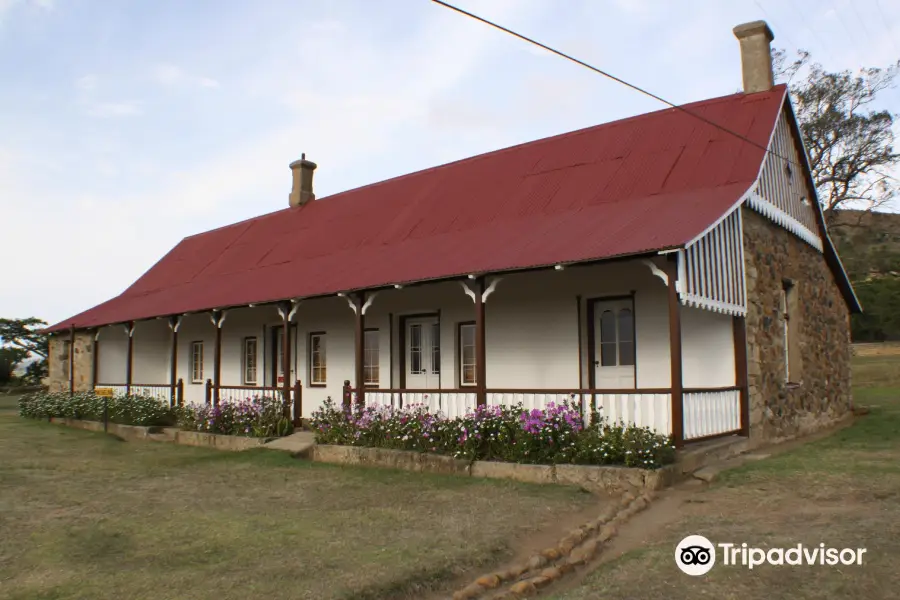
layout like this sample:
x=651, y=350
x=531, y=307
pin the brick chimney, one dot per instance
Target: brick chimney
x=756, y=55
x=302, y=188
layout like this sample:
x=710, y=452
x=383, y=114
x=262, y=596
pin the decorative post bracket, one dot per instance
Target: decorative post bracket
x=484, y=295
x=657, y=271
x=220, y=320
x=175, y=323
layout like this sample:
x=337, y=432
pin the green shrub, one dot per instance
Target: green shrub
x=555, y=435
x=124, y=410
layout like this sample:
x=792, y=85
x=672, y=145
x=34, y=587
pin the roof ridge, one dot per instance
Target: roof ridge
x=554, y=137
x=498, y=151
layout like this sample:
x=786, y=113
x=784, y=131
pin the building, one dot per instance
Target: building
x=672, y=269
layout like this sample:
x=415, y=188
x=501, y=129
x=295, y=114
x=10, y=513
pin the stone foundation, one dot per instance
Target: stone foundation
x=594, y=479
x=820, y=343
x=58, y=362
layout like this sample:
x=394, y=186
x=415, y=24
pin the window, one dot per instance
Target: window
x=415, y=349
x=196, y=362
x=792, y=363
x=317, y=362
x=626, y=337
x=436, y=348
x=370, y=357
x=608, y=339
x=249, y=358
x=467, y=354
x=617, y=338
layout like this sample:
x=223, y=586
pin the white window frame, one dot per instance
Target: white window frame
x=250, y=361
x=786, y=321
x=462, y=354
x=196, y=365
x=318, y=374
x=371, y=357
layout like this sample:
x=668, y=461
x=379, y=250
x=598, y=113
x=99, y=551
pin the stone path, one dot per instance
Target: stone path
x=298, y=443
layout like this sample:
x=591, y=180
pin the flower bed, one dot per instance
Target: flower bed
x=254, y=416
x=555, y=435
x=88, y=406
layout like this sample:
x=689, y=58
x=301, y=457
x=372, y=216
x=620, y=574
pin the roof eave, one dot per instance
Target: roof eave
x=68, y=324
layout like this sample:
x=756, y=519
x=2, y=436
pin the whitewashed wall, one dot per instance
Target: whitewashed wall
x=113, y=352
x=153, y=338
x=531, y=339
x=707, y=348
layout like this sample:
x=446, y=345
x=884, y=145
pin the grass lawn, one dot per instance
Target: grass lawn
x=83, y=515
x=843, y=490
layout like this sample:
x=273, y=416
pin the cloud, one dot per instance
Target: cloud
x=87, y=87
x=172, y=75
x=87, y=83
x=7, y=6
x=106, y=110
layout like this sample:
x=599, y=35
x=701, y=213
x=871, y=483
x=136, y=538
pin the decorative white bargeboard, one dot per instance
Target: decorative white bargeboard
x=782, y=193
x=711, y=269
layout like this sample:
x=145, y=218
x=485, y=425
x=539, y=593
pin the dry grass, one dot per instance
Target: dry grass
x=843, y=490
x=83, y=515
x=877, y=349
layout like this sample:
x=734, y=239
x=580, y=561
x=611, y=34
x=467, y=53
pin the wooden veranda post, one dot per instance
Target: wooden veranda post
x=174, y=324
x=72, y=361
x=95, y=356
x=298, y=403
x=359, y=302
x=480, y=365
x=217, y=319
x=740, y=371
x=675, y=352
x=209, y=386
x=179, y=393
x=345, y=399
x=286, y=360
x=129, y=364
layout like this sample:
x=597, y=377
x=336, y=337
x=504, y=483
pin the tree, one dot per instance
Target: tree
x=24, y=334
x=9, y=360
x=22, y=338
x=850, y=143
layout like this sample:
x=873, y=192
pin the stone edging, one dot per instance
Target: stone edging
x=578, y=547
x=169, y=434
x=595, y=479
x=123, y=431
x=219, y=441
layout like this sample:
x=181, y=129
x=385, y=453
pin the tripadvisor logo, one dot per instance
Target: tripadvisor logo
x=696, y=555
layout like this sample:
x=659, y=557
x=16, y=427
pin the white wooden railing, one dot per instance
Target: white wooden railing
x=161, y=392
x=451, y=404
x=653, y=410
x=650, y=408
x=711, y=412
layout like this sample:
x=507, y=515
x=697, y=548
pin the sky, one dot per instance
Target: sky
x=127, y=126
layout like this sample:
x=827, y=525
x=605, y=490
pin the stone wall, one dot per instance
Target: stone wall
x=58, y=362
x=820, y=339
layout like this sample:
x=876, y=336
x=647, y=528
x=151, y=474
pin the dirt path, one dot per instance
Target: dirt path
x=842, y=490
x=529, y=545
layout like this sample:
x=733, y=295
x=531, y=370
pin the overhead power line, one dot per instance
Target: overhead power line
x=805, y=21
x=884, y=21
x=614, y=78
x=781, y=32
x=850, y=36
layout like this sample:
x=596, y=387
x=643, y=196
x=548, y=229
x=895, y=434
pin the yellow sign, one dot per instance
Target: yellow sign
x=107, y=392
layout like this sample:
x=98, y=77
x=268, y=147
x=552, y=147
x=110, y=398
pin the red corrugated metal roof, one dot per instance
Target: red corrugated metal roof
x=641, y=184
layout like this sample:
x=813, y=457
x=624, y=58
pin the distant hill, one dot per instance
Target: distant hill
x=869, y=247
